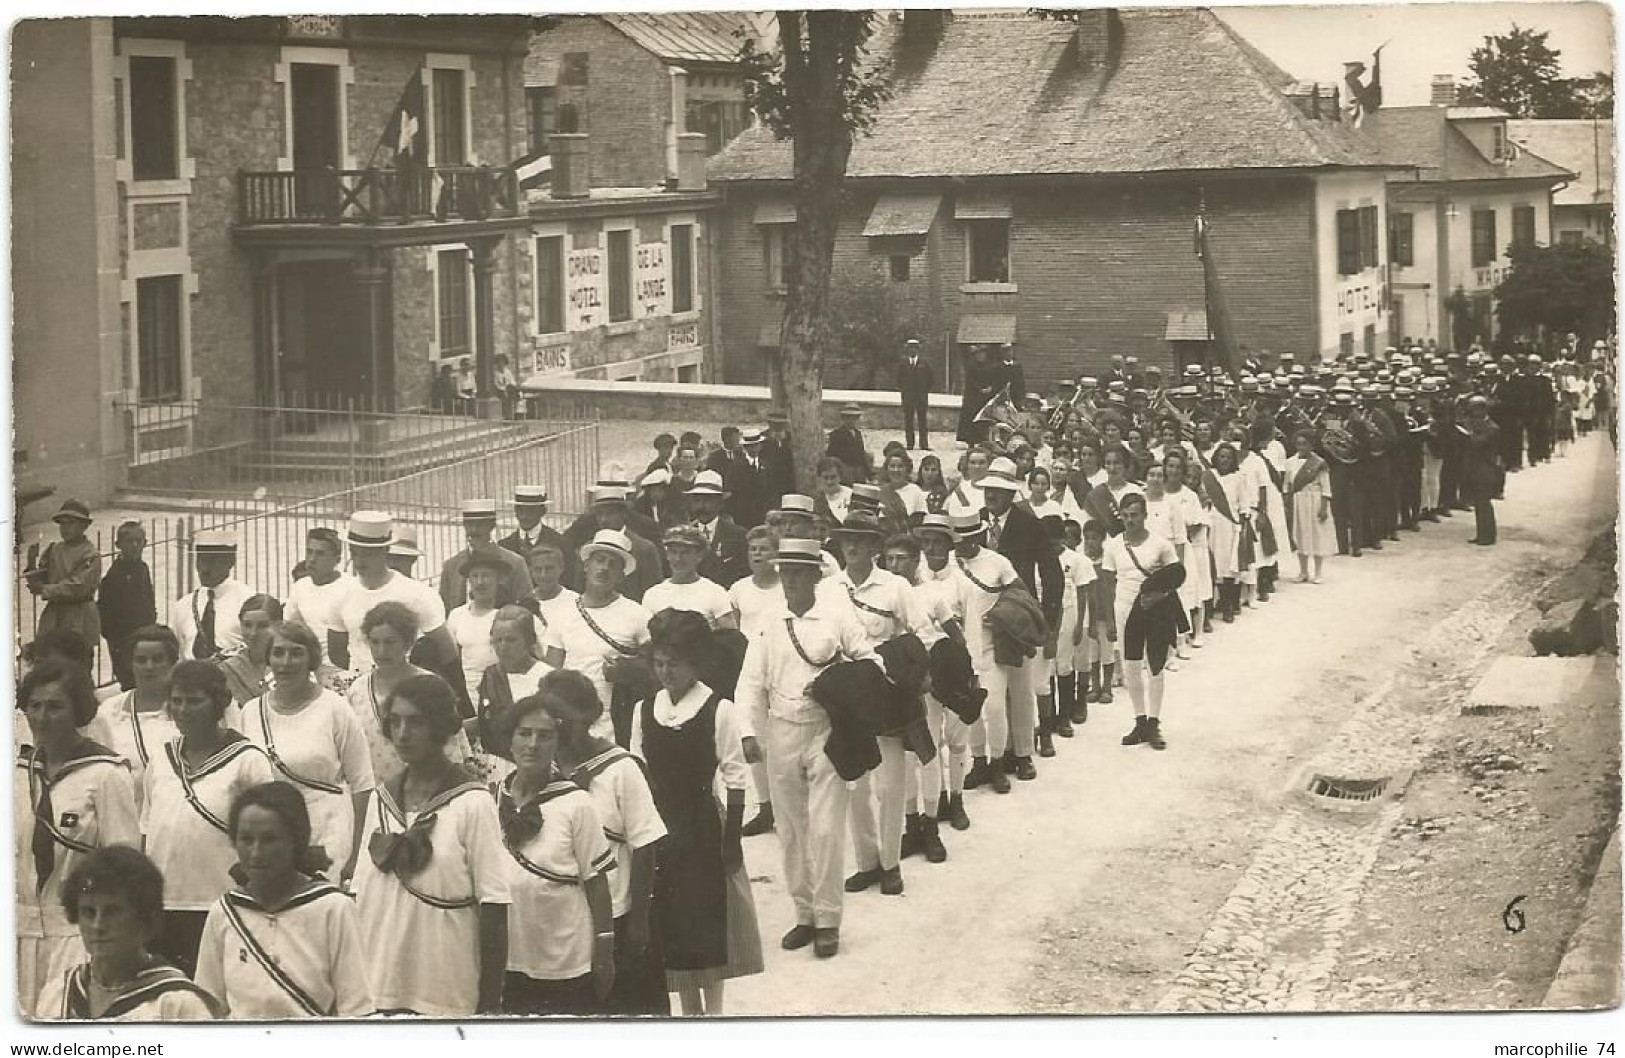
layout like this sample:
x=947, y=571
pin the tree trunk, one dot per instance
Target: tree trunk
x=822, y=141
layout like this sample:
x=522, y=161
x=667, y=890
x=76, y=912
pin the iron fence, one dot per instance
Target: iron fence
x=419, y=468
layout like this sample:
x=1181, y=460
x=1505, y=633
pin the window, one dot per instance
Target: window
x=1345, y=344
x=1401, y=239
x=550, y=284
x=455, y=331
x=1498, y=140
x=154, y=118
x=1523, y=225
x=1348, y=241
x=620, y=275
x=987, y=256
x=158, y=310
x=1370, y=337
x=450, y=129
x=719, y=119
x=682, y=267
x=776, y=254
x=900, y=266
x=541, y=118
x=1370, y=251
x=688, y=373
x=1484, y=248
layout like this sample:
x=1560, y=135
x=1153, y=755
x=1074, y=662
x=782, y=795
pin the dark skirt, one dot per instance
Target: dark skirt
x=640, y=981
x=529, y=996
x=691, y=892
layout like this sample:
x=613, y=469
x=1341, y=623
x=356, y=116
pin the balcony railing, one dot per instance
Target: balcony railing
x=377, y=196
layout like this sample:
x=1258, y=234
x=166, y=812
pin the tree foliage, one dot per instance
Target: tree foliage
x=1561, y=288
x=1520, y=73
x=870, y=319
x=819, y=89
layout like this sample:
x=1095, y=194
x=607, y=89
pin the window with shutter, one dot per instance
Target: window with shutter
x=1484, y=247
x=1523, y=225
x=1348, y=242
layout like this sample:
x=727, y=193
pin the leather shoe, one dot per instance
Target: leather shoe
x=1046, y=748
x=1063, y=727
x=891, y=882
x=998, y=781
x=956, y=813
x=857, y=883
x=799, y=937
x=977, y=774
x=760, y=823
x=826, y=942
x=1025, y=770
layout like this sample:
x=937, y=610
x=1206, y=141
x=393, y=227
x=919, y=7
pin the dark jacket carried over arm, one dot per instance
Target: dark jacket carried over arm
x=1018, y=625
x=1028, y=548
x=862, y=704
x=953, y=680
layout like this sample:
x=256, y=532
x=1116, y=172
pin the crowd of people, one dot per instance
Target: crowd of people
x=523, y=788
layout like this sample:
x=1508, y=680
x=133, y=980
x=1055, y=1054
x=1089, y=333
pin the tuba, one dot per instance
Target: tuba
x=1339, y=443
x=998, y=415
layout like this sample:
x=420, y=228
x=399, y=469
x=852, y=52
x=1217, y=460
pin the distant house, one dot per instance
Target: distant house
x=1037, y=183
x=625, y=108
x=1584, y=207
x=1471, y=193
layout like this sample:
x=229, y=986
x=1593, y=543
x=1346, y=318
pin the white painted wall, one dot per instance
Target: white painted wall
x=1348, y=304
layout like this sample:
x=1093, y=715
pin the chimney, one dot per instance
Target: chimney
x=691, y=161
x=1099, y=36
x=1444, y=90
x=572, y=164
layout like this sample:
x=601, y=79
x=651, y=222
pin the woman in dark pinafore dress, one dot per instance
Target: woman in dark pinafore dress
x=689, y=737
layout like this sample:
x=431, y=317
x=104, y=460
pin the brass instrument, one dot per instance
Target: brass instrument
x=997, y=414
x=1339, y=443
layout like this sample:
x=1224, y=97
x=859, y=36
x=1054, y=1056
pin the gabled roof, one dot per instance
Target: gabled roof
x=1006, y=94
x=1580, y=144
x=1424, y=137
x=684, y=36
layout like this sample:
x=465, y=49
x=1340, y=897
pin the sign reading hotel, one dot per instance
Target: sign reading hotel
x=1360, y=297
x=584, y=281
x=649, y=285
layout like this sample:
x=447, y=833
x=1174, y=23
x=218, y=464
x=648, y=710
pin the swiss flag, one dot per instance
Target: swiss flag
x=403, y=136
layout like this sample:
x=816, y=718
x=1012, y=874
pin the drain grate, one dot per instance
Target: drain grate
x=1355, y=790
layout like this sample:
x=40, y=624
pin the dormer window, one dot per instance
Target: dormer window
x=1498, y=134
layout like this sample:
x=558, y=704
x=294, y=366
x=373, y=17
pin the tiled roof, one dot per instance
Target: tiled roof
x=1007, y=95
x=1424, y=137
x=684, y=36
x=1583, y=145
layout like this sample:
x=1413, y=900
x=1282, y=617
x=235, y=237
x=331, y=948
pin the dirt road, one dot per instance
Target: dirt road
x=1084, y=891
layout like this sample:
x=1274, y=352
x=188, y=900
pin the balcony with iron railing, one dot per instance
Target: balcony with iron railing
x=378, y=197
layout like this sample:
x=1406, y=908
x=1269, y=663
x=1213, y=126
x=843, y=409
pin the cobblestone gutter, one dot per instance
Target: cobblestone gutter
x=1275, y=941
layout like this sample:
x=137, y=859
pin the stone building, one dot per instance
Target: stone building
x=1037, y=182
x=227, y=212
x=1469, y=195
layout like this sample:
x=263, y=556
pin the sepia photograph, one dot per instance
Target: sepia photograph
x=808, y=514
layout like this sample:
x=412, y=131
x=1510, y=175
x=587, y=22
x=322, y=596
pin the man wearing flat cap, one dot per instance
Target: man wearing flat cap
x=67, y=576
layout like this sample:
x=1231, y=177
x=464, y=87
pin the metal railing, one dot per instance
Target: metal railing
x=213, y=487
x=377, y=196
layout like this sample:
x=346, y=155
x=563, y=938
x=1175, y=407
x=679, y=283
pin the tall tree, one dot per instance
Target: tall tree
x=818, y=90
x=1560, y=288
x=1519, y=73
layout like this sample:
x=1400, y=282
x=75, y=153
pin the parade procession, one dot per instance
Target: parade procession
x=458, y=582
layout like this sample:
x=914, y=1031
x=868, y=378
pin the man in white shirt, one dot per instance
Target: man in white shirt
x=312, y=599
x=547, y=562
x=369, y=537
x=205, y=620
x=980, y=575
x=809, y=797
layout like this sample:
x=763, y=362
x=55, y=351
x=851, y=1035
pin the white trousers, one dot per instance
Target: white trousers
x=883, y=789
x=809, y=813
x=952, y=737
x=1010, y=708
x=1431, y=466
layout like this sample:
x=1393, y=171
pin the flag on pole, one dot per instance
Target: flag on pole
x=1220, y=329
x=404, y=138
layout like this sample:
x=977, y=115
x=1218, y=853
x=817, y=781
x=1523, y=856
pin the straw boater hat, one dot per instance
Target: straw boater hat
x=530, y=496
x=849, y=409
x=966, y=523
x=935, y=523
x=685, y=536
x=866, y=496
x=72, y=511
x=405, y=547
x=481, y=510
x=797, y=552
x=612, y=542
x=370, y=529
x=859, y=523
x=706, y=483
x=796, y=505
x=753, y=437
x=605, y=492
x=657, y=476
x=1001, y=474
x=214, y=542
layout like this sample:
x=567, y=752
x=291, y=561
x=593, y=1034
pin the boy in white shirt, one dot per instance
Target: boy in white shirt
x=980, y=575
x=685, y=589
x=757, y=600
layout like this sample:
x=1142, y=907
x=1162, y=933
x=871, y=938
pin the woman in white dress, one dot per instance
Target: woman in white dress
x=138, y=720
x=1262, y=460
x=284, y=942
x=115, y=896
x=1234, y=558
x=515, y=675
x=314, y=742
x=1309, y=484
x=190, y=789
x=899, y=471
x=248, y=669
x=70, y=796
x=1039, y=495
x=432, y=889
x=1182, y=481
x=1142, y=572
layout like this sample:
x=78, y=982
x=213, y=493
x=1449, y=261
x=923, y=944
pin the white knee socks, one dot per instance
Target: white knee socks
x=1134, y=680
x=1157, y=684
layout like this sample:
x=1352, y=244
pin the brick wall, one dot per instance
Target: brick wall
x=624, y=105
x=1096, y=271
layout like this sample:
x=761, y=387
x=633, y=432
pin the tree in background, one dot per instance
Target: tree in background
x=869, y=320
x=1560, y=288
x=1518, y=72
x=818, y=90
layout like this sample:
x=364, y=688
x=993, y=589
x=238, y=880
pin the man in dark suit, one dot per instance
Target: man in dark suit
x=479, y=526
x=778, y=466
x=745, y=482
x=657, y=503
x=726, y=555
x=979, y=389
x=1017, y=534
x=915, y=381
x=1007, y=372
x=529, y=507
x=610, y=510
x=846, y=447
